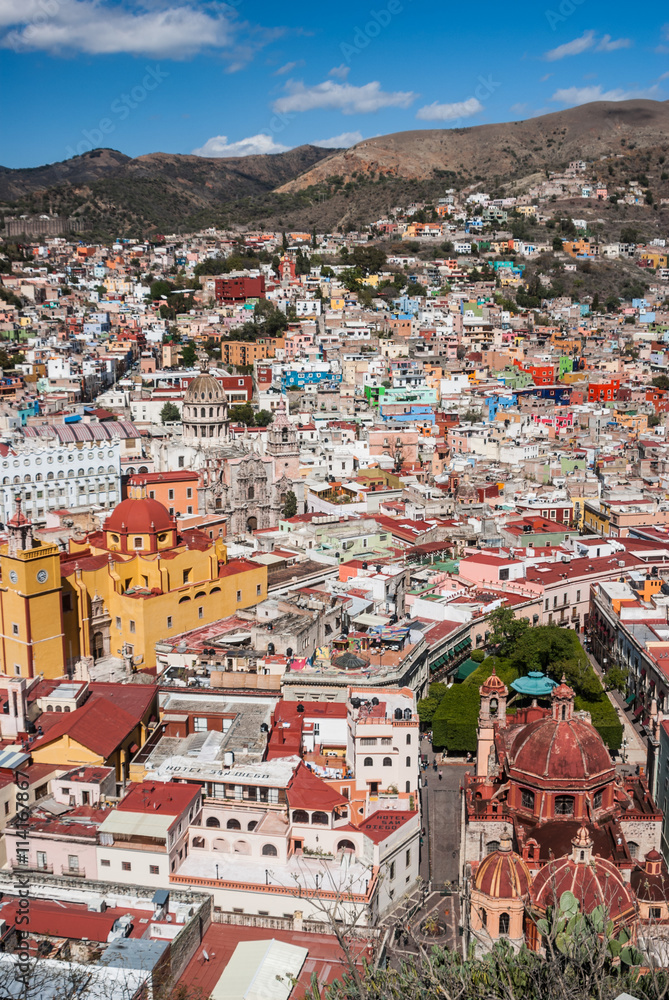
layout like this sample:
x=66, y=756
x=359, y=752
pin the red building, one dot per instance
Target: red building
x=601, y=392
x=239, y=289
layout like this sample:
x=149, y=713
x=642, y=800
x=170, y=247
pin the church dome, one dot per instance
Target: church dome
x=204, y=389
x=560, y=749
x=503, y=874
x=593, y=883
x=141, y=516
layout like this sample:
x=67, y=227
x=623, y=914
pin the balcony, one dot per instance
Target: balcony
x=75, y=872
x=31, y=866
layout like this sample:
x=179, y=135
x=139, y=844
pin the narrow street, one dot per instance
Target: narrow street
x=635, y=744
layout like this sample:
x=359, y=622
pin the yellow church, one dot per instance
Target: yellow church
x=117, y=592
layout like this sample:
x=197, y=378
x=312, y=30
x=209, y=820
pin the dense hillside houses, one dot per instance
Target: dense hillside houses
x=298, y=532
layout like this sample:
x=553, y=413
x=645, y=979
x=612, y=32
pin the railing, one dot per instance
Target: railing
x=31, y=866
x=76, y=872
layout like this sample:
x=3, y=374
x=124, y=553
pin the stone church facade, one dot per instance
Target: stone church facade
x=246, y=480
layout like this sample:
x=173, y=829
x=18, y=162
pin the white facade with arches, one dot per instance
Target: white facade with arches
x=56, y=476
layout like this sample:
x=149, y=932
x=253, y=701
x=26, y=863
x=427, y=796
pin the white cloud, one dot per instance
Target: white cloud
x=341, y=141
x=573, y=48
x=449, y=112
x=341, y=72
x=572, y=96
x=288, y=68
x=101, y=29
x=342, y=97
x=608, y=44
x=254, y=145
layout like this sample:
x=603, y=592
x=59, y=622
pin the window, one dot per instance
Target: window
x=527, y=799
x=233, y=824
x=73, y=862
x=408, y=739
x=181, y=461
x=504, y=917
x=655, y=912
x=300, y=816
x=200, y=724
x=170, y=494
x=258, y=589
x=200, y=612
x=118, y=623
x=564, y=805
x=105, y=863
x=368, y=741
x=41, y=859
x=407, y=857
x=392, y=870
x=547, y=603
x=126, y=866
x=239, y=596
x=633, y=849
x=212, y=821
x=189, y=493
x=387, y=762
x=169, y=621
x=132, y=625
x=269, y=851
x=597, y=800
x=408, y=762
x=578, y=596
x=319, y=818
x=186, y=576
x=15, y=629
x=138, y=542
x=564, y=598
x=492, y=846
x=154, y=869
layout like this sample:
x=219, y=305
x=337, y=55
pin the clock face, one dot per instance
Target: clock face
x=14, y=576
x=42, y=576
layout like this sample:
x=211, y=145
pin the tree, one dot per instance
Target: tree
x=242, y=413
x=615, y=678
x=289, y=505
x=368, y=259
x=505, y=629
x=263, y=418
x=169, y=413
x=660, y=382
x=188, y=355
x=160, y=288
x=428, y=706
x=10, y=360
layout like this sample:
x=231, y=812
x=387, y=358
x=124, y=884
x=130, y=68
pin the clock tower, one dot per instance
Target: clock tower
x=31, y=620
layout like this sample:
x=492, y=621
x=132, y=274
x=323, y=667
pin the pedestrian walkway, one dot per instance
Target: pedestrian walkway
x=634, y=750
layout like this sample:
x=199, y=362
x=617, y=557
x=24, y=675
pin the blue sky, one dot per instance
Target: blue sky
x=224, y=79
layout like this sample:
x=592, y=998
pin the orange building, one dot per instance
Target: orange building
x=175, y=490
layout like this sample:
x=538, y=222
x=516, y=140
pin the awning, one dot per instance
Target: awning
x=630, y=698
x=466, y=668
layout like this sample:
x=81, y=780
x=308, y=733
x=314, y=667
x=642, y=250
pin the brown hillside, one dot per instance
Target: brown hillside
x=586, y=132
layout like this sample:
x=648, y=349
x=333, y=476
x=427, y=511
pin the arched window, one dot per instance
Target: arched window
x=494, y=707
x=212, y=821
x=252, y=825
x=527, y=799
x=300, y=816
x=564, y=805
x=504, y=923
x=211, y=411
x=203, y=412
x=345, y=845
x=633, y=849
x=233, y=824
x=251, y=493
x=320, y=818
x=492, y=846
x=387, y=762
x=367, y=762
x=269, y=851
x=198, y=842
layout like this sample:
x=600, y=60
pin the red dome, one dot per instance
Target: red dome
x=493, y=684
x=594, y=883
x=503, y=875
x=141, y=517
x=564, y=749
